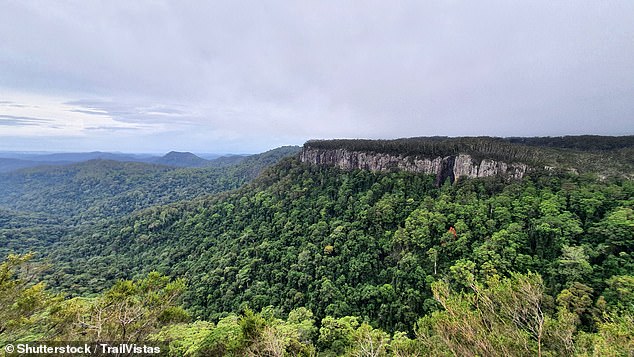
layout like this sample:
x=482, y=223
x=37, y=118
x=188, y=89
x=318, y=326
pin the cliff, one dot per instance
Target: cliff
x=443, y=167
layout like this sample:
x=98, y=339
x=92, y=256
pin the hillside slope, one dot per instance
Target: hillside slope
x=361, y=243
x=102, y=190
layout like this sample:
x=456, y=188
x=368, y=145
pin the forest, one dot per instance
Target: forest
x=313, y=260
x=40, y=205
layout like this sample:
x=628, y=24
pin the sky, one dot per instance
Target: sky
x=247, y=76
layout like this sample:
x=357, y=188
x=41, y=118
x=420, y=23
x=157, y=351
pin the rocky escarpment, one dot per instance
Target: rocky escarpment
x=448, y=167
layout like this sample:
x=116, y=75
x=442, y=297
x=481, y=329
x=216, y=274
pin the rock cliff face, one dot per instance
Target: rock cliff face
x=449, y=167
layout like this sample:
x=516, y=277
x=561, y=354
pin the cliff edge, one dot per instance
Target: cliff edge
x=448, y=167
x=451, y=158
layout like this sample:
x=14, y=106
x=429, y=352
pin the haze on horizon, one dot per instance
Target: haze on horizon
x=244, y=77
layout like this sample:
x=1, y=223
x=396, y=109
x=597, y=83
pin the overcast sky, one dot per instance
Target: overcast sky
x=247, y=76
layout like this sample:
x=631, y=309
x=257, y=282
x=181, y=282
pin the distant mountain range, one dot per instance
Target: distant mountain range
x=11, y=161
x=101, y=188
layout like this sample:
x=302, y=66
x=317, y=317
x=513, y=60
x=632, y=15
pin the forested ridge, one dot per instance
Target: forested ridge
x=39, y=205
x=604, y=155
x=315, y=260
x=105, y=188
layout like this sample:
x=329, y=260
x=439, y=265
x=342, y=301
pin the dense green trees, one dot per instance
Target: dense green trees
x=310, y=259
x=361, y=243
x=505, y=316
x=128, y=312
x=24, y=302
x=100, y=189
x=40, y=205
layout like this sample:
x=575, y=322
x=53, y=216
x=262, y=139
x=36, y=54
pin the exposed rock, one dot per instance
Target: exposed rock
x=449, y=167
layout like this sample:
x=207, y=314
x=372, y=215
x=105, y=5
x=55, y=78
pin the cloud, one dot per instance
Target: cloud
x=46, y=117
x=130, y=112
x=89, y=111
x=255, y=74
x=110, y=128
x=10, y=104
x=12, y=120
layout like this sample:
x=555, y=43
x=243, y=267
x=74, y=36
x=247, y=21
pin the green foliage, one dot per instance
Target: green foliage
x=359, y=243
x=615, y=337
x=24, y=303
x=578, y=299
x=40, y=205
x=353, y=263
x=100, y=189
x=261, y=334
x=23, y=232
x=225, y=339
x=574, y=264
x=129, y=311
x=510, y=317
x=619, y=294
x=336, y=335
x=184, y=339
x=504, y=316
x=580, y=142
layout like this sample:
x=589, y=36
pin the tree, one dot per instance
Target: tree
x=369, y=342
x=615, y=337
x=336, y=335
x=184, y=339
x=577, y=299
x=619, y=295
x=24, y=304
x=502, y=317
x=574, y=264
x=130, y=311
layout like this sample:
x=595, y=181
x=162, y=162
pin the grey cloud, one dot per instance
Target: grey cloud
x=12, y=120
x=91, y=112
x=297, y=70
x=159, y=110
x=110, y=128
x=11, y=104
x=129, y=112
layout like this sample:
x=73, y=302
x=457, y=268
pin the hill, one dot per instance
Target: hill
x=106, y=188
x=182, y=159
x=12, y=161
x=98, y=190
x=9, y=164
